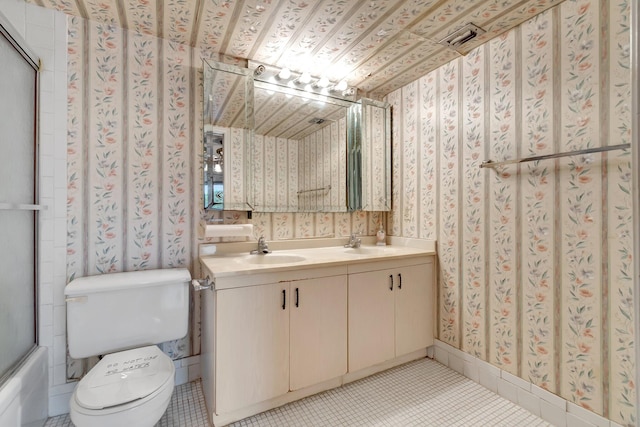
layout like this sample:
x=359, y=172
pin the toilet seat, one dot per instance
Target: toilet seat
x=132, y=387
x=123, y=377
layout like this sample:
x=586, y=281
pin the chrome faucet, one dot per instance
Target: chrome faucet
x=263, y=247
x=354, y=241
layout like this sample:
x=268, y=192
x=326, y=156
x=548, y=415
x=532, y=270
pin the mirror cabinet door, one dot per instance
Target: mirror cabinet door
x=376, y=155
x=369, y=156
x=228, y=92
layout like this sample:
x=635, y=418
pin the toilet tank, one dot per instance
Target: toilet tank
x=113, y=312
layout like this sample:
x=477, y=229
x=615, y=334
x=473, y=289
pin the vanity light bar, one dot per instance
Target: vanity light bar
x=302, y=81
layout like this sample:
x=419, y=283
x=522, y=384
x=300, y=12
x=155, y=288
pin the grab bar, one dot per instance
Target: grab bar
x=492, y=164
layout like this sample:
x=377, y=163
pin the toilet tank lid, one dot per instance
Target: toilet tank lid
x=132, y=279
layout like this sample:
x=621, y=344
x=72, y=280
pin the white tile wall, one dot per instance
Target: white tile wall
x=45, y=33
x=548, y=406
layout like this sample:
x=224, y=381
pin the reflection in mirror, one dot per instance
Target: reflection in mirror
x=213, y=163
x=299, y=151
x=227, y=119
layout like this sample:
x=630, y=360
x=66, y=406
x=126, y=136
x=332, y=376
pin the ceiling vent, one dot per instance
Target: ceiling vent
x=461, y=36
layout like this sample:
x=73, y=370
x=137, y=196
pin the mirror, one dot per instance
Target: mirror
x=227, y=117
x=291, y=150
x=299, y=151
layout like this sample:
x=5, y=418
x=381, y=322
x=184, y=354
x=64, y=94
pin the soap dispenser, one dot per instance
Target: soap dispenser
x=381, y=236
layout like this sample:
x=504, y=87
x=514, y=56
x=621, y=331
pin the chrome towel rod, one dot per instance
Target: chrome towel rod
x=492, y=164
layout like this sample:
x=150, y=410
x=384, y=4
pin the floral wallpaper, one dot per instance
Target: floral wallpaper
x=534, y=259
x=474, y=299
x=537, y=200
x=129, y=148
x=582, y=224
x=449, y=229
x=503, y=283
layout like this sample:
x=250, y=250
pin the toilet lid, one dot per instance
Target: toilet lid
x=124, y=377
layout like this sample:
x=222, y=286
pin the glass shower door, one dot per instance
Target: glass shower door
x=18, y=202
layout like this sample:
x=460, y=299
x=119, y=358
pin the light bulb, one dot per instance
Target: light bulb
x=284, y=74
x=305, y=78
x=323, y=82
x=342, y=85
x=217, y=167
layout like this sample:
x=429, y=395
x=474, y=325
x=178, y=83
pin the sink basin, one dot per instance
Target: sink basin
x=273, y=259
x=368, y=250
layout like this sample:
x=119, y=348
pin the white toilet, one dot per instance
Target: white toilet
x=122, y=316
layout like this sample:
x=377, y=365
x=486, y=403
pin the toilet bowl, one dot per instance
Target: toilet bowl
x=128, y=388
x=122, y=316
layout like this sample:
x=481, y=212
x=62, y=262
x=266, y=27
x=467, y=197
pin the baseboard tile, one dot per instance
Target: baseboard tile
x=540, y=402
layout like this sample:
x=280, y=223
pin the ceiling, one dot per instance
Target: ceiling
x=376, y=45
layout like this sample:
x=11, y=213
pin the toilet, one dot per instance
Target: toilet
x=121, y=316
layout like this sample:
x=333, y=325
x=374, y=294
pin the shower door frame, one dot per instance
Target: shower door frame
x=11, y=35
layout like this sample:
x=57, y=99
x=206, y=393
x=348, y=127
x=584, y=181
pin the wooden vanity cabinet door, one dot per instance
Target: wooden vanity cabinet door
x=252, y=345
x=371, y=319
x=318, y=328
x=414, y=312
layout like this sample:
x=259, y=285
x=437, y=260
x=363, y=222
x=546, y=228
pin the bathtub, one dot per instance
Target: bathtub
x=24, y=396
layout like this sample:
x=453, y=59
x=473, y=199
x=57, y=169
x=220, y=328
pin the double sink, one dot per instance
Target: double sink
x=233, y=261
x=289, y=258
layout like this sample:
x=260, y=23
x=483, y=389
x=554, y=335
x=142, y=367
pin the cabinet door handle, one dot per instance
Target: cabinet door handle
x=284, y=299
x=297, y=297
x=391, y=277
x=400, y=278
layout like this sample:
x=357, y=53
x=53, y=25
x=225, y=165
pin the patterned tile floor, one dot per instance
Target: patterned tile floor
x=420, y=393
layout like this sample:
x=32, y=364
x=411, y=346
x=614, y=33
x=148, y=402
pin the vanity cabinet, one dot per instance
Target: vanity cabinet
x=278, y=337
x=252, y=345
x=390, y=313
x=272, y=335
x=318, y=331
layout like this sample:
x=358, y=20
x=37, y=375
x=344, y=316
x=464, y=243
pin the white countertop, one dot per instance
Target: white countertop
x=233, y=261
